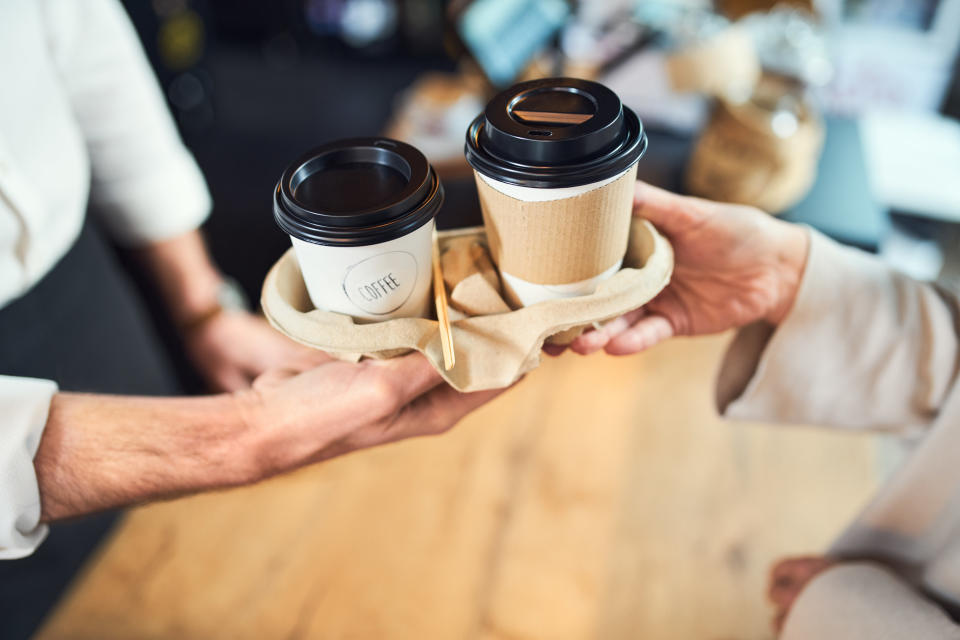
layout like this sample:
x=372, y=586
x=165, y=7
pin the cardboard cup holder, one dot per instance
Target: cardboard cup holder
x=494, y=345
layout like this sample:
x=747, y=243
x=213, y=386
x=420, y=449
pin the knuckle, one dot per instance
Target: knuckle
x=432, y=421
x=384, y=393
x=445, y=418
x=438, y=426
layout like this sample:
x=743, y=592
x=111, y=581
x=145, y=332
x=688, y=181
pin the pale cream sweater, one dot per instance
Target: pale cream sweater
x=865, y=348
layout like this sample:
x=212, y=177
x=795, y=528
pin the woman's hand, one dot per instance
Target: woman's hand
x=734, y=265
x=232, y=348
x=229, y=348
x=788, y=578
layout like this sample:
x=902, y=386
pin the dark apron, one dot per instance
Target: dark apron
x=84, y=327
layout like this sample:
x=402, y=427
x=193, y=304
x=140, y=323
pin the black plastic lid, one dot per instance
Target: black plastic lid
x=355, y=192
x=555, y=132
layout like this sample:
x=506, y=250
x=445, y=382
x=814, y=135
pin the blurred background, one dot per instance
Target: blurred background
x=838, y=113
x=602, y=498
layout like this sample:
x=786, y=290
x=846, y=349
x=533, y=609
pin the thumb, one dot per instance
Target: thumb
x=274, y=377
x=438, y=410
x=410, y=376
x=668, y=212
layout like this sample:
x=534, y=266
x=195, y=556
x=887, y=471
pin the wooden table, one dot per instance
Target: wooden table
x=602, y=498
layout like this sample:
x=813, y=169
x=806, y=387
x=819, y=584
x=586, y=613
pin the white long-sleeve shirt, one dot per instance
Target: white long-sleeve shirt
x=81, y=116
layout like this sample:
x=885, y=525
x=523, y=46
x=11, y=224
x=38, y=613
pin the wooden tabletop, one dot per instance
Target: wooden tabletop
x=601, y=498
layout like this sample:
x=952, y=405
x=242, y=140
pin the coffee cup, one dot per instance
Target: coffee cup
x=555, y=163
x=360, y=214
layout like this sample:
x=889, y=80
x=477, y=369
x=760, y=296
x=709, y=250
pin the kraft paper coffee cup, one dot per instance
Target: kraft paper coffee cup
x=360, y=215
x=555, y=162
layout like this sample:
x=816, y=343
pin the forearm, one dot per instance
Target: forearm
x=185, y=274
x=99, y=452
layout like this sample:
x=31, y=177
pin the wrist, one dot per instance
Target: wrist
x=210, y=452
x=195, y=297
x=229, y=297
x=185, y=274
x=265, y=442
x=247, y=408
x=791, y=260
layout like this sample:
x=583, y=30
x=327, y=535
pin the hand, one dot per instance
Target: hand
x=734, y=265
x=788, y=579
x=234, y=347
x=299, y=416
x=100, y=452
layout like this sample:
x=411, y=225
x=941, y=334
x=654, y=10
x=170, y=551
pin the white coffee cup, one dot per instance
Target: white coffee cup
x=360, y=215
x=374, y=282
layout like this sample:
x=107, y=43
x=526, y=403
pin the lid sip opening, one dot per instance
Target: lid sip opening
x=557, y=106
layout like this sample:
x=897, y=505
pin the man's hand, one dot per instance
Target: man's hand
x=734, y=265
x=788, y=578
x=232, y=348
x=100, y=452
x=300, y=416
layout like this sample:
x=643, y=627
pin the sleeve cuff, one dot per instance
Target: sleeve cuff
x=851, y=353
x=162, y=203
x=24, y=406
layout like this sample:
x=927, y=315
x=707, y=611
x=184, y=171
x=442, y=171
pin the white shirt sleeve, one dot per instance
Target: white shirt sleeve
x=145, y=183
x=24, y=405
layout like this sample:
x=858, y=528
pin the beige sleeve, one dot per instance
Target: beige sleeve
x=863, y=601
x=863, y=347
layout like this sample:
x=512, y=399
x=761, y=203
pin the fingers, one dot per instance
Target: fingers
x=437, y=411
x=406, y=377
x=630, y=333
x=779, y=619
x=554, y=349
x=227, y=378
x=790, y=575
x=669, y=212
x=593, y=341
x=274, y=349
x=301, y=360
x=273, y=377
x=788, y=578
x=782, y=585
x=431, y=414
x=648, y=331
x=305, y=358
x=800, y=565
